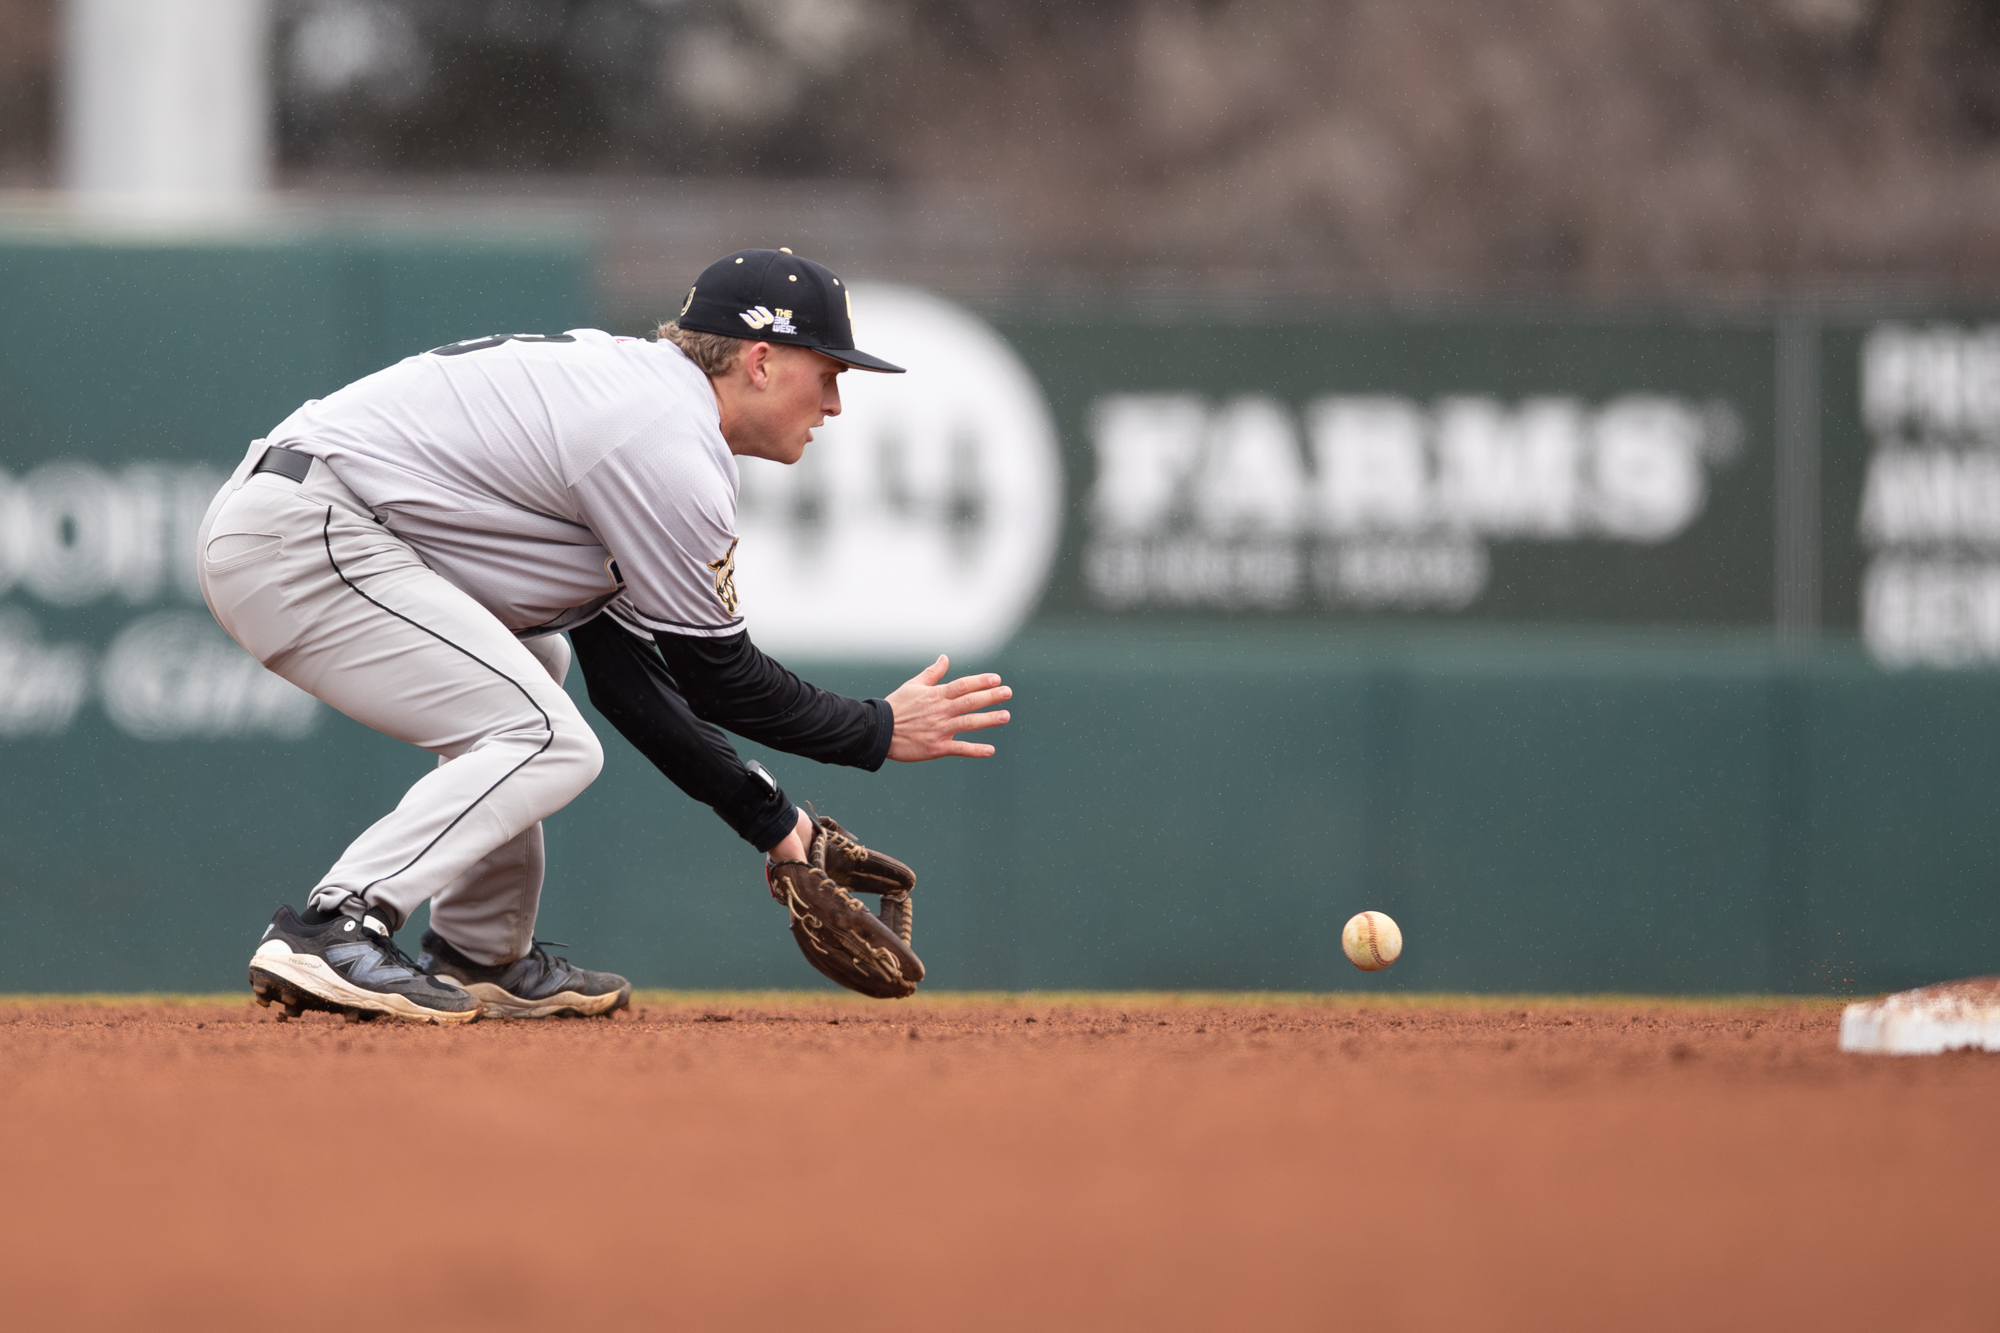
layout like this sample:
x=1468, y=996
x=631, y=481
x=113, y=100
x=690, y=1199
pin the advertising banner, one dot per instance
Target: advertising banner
x=1498, y=470
x=1471, y=468
x=1308, y=611
x=1911, y=499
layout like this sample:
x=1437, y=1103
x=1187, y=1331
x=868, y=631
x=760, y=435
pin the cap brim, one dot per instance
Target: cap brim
x=861, y=360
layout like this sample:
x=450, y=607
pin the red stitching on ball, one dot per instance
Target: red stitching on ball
x=1374, y=943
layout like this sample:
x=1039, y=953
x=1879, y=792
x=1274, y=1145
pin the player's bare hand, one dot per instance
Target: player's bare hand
x=930, y=715
x=793, y=848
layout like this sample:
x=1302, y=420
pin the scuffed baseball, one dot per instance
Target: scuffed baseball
x=1371, y=941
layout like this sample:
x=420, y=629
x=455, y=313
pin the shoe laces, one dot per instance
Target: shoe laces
x=394, y=951
x=383, y=940
x=550, y=962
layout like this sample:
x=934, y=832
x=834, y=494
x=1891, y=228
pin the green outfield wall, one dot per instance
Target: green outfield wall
x=1643, y=651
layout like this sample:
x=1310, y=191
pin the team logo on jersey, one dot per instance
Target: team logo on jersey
x=725, y=578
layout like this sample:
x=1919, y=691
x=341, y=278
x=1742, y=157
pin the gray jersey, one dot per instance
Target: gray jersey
x=546, y=476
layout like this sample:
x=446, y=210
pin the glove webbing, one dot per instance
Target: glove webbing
x=897, y=913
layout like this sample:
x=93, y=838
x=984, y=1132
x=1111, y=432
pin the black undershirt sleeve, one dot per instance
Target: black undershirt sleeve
x=674, y=714
x=729, y=682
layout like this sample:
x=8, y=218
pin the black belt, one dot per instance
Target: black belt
x=285, y=462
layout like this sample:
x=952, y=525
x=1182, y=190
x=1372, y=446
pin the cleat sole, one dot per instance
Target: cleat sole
x=302, y=981
x=563, y=1004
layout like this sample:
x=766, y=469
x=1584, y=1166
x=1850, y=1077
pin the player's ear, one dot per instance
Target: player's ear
x=757, y=364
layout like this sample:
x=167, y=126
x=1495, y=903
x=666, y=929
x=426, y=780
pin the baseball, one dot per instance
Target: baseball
x=1371, y=941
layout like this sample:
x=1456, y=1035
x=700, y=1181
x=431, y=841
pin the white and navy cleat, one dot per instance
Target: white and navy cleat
x=540, y=985
x=347, y=962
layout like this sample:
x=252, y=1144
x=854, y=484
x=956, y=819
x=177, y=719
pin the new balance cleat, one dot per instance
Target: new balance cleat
x=538, y=986
x=347, y=963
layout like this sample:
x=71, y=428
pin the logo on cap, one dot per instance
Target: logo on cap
x=763, y=317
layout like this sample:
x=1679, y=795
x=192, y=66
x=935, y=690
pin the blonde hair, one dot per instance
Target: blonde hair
x=715, y=353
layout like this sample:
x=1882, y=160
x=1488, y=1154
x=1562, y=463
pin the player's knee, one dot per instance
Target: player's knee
x=575, y=747
x=593, y=755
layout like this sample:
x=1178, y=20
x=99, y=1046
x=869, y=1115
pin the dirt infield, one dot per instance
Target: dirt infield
x=1130, y=1163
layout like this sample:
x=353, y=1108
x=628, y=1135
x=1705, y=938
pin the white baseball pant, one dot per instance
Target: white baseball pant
x=301, y=574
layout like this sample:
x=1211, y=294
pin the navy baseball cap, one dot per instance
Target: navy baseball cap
x=775, y=296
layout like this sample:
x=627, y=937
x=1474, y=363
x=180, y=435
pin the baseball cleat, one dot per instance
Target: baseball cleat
x=537, y=986
x=347, y=963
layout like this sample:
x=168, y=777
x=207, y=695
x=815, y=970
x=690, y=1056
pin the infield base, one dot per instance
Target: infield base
x=1954, y=1016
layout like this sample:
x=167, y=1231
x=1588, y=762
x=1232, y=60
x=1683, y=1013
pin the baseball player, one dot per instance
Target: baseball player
x=426, y=548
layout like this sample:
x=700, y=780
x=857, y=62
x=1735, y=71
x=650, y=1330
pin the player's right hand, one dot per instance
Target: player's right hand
x=930, y=715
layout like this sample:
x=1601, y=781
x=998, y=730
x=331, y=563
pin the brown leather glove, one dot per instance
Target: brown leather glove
x=859, y=870
x=837, y=934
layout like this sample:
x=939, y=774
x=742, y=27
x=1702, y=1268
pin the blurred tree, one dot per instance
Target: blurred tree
x=1600, y=145
x=27, y=35
x=1391, y=144
x=676, y=86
